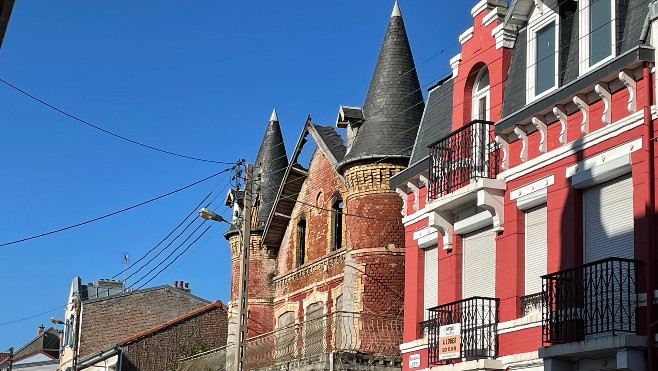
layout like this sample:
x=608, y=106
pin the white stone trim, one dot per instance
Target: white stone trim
x=603, y=166
x=415, y=217
x=523, y=137
x=603, y=91
x=426, y=237
x=541, y=126
x=523, y=323
x=494, y=14
x=561, y=113
x=403, y=196
x=473, y=223
x=416, y=191
x=523, y=361
x=505, y=36
x=629, y=122
x=466, y=35
x=286, y=307
x=315, y=297
x=454, y=64
x=504, y=146
x=443, y=224
x=480, y=6
x=413, y=346
x=534, y=186
x=626, y=77
x=580, y=100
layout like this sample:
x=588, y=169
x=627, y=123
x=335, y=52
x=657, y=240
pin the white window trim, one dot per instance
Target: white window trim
x=476, y=96
x=583, y=35
x=541, y=21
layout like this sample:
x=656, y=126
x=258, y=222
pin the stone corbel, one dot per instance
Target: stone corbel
x=603, y=91
x=494, y=203
x=403, y=196
x=540, y=124
x=424, y=182
x=443, y=223
x=581, y=102
x=416, y=192
x=524, y=141
x=561, y=115
x=504, y=146
x=629, y=82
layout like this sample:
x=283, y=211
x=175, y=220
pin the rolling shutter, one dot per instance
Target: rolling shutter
x=608, y=220
x=479, y=263
x=536, y=241
x=431, y=286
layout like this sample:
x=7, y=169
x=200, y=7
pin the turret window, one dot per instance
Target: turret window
x=337, y=224
x=301, y=241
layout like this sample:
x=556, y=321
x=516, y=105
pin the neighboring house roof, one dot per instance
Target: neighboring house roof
x=394, y=104
x=36, y=356
x=330, y=141
x=212, y=306
x=46, y=342
x=155, y=288
x=436, y=124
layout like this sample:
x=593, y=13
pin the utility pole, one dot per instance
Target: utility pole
x=11, y=358
x=244, y=269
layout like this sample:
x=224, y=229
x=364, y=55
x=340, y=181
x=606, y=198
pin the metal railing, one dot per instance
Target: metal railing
x=477, y=317
x=212, y=360
x=595, y=298
x=425, y=327
x=469, y=153
x=358, y=333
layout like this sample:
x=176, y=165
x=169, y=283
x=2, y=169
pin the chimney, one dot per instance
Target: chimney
x=40, y=330
x=175, y=283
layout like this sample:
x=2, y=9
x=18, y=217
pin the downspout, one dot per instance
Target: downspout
x=650, y=202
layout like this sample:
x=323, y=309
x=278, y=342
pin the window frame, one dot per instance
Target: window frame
x=537, y=24
x=478, y=94
x=337, y=223
x=584, y=32
x=301, y=241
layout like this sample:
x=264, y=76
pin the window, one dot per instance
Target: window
x=536, y=245
x=337, y=224
x=431, y=279
x=301, y=242
x=480, y=100
x=597, y=36
x=286, y=337
x=314, y=329
x=545, y=75
x=543, y=55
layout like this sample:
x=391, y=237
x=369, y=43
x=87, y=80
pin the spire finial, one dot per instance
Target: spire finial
x=396, y=10
x=274, y=117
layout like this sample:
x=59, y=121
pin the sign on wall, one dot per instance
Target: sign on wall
x=414, y=360
x=450, y=341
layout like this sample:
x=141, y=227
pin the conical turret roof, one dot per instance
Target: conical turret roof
x=394, y=104
x=269, y=168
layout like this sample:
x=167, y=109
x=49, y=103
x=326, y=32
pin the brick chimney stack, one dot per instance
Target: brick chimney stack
x=40, y=330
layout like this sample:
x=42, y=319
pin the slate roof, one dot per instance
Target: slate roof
x=394, y=103
x=332, y=140
x=630, y=21
x=269, y=168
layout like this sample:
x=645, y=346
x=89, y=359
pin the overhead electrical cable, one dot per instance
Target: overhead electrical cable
x=113, y=213
x=118, y=136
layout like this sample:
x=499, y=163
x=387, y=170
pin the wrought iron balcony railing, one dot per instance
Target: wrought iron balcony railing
x=469, y=153
x=531, y=303
x=595, y=298
x=356, y=333
x=477, y=318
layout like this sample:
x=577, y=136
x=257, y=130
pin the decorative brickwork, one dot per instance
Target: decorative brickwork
x=362, y=180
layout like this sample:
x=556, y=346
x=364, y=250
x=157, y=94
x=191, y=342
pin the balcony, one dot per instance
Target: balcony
x=475, y=335
x=355, y=339
x=467, y=154
x=597, y=298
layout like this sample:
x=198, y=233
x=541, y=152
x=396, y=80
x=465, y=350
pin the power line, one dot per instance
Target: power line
x=113, y=213
x=118, y=136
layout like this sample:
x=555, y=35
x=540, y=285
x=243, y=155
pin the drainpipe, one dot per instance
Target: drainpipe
x=650, y=203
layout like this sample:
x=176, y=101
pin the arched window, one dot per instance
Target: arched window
x=301, y=241
x=337, y=224
x=480, y=104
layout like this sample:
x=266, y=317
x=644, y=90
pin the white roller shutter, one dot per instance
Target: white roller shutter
x=479, y=263
x=608, y=220
x=431, y=286
x=536, y=244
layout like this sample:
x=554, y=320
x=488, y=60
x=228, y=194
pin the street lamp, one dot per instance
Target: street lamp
x=56, y=321
x=211, y=215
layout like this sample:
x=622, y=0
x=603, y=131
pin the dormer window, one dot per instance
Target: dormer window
x=542, y=73
x=597, y=36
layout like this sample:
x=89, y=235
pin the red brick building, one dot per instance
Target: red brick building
x=161, y=347
x=326, y=276
x=530, y=196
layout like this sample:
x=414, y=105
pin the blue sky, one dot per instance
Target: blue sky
x=195, y=77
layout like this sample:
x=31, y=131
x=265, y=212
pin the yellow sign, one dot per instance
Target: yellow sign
x=450, y=341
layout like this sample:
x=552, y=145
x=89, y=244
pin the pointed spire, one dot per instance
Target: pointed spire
x=270, y=167
x=394, y=104
x=396, y=10
x=274, y=116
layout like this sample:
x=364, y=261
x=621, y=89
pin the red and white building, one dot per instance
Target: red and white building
x=530, y=194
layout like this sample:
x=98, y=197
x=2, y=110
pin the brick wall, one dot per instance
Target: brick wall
x=106, y=322
x=161, y=350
